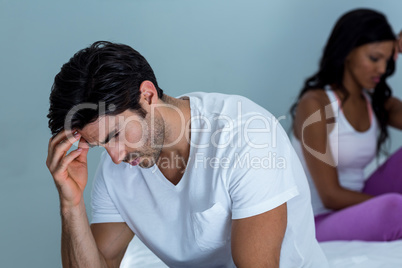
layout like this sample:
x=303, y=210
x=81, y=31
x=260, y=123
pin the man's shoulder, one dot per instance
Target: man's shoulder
x=218, y=104
x=215, y=96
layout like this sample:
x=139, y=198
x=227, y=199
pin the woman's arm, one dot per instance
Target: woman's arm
x=394, y=105
x=394, y=108
x=318, y=157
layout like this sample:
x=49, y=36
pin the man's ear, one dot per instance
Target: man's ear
x=148, y=92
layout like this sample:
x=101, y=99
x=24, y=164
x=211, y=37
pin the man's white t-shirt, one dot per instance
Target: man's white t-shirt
x=241, y=164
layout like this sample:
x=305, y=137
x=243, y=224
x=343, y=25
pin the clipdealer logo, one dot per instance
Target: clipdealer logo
x=330, y=156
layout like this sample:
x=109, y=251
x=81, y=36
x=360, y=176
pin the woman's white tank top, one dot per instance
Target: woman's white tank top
x=351, y=150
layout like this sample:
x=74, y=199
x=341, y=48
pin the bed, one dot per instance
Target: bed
x=359, y=254
x=341, y=254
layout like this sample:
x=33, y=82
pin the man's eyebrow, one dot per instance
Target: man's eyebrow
x=111, y=135
x=90, y=145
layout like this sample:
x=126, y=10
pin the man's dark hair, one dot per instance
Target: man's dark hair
x=106, y=73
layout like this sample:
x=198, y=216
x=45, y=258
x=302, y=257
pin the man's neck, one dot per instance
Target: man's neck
x=174, y=156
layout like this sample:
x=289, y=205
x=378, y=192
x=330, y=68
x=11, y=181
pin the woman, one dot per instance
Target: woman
x=340, y=124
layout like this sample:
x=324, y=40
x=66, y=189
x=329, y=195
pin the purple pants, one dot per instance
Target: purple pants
x=377, y=219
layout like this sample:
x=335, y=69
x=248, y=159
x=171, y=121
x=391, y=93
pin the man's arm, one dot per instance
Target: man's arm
x=80, y=247
x=112, y=240
x=99, y=245
x=257, y=240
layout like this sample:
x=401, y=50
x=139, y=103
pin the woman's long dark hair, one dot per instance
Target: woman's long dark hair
x=355, y=28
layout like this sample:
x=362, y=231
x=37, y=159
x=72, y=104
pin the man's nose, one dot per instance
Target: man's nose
x=116, y=152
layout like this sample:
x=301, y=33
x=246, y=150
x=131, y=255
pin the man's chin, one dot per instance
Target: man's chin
x=147, y=163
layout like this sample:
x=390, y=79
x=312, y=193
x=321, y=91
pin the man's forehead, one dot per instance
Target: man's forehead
x=98, y=130
x=95, y=131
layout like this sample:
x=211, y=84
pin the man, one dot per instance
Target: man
x=204, y=180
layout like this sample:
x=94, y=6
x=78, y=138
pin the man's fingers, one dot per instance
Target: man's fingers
x=58, y=138
x=54, y=141
x=61, y=137
x=85, y=148
x=60, y=150
x=83, y=156
x=83, y=144
x=67, y=160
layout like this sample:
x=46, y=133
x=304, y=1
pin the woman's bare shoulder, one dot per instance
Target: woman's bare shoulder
x=310, y=103
x=315, y=98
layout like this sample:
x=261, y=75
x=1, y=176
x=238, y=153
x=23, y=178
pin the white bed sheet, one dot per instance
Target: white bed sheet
x=341, y=254
x=359, y=254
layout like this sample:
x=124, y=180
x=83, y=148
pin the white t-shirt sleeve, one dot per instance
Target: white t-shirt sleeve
x=103, y=207
x=262, y=178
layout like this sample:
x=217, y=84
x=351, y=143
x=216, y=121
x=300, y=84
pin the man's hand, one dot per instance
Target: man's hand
x=69, y=171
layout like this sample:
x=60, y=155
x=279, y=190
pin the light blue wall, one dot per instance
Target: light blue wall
x=260, y=49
